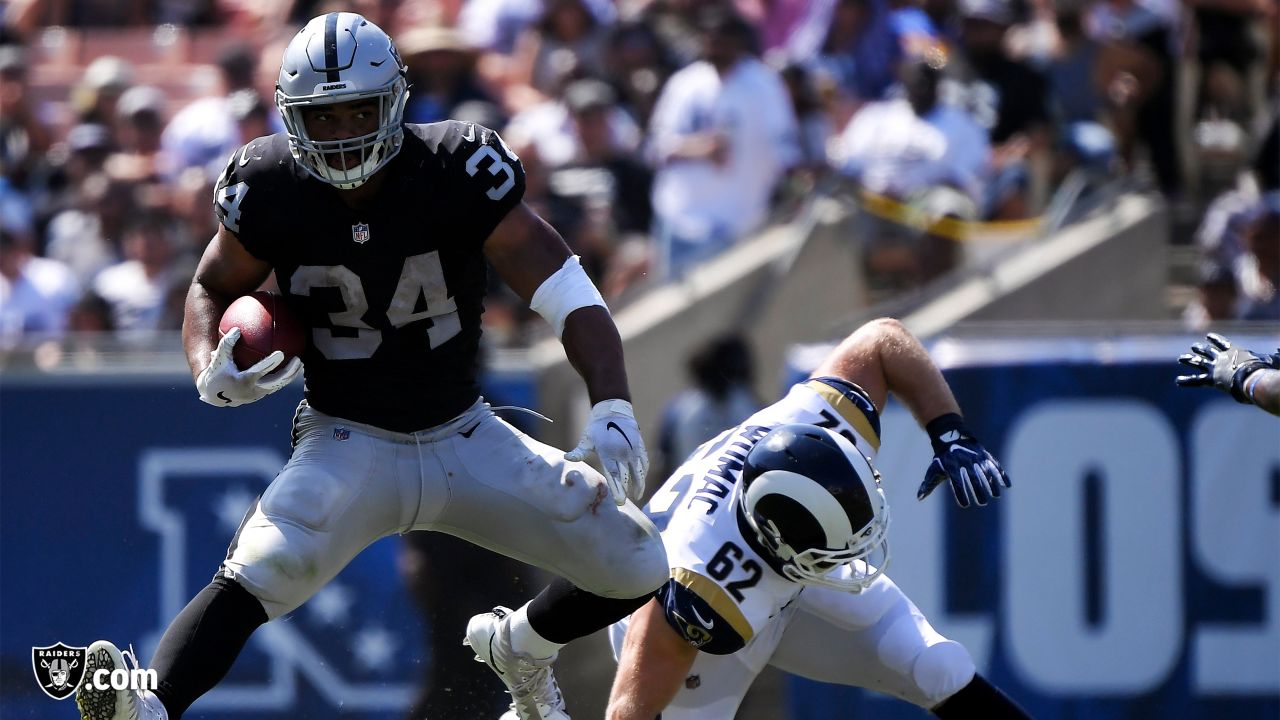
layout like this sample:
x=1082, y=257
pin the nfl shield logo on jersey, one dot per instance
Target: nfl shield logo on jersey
x=360, y=233
x=58, y=668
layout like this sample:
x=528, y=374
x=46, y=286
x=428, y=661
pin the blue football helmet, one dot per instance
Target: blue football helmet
x=815, y=503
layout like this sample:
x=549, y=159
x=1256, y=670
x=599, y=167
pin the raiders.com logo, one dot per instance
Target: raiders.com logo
x=58, y=668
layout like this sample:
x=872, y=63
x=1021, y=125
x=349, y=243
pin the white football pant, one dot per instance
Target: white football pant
x=476, y=477
x=875, y=639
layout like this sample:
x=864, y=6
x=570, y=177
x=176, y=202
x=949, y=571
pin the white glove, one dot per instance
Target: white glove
x=613, y=436
x=224, y=385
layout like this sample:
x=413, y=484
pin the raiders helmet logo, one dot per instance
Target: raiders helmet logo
x=59, y=669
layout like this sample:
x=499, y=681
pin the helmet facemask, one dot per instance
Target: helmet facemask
x=865, y=557
x=342, y=58
x=815, y=504
x=375, y=149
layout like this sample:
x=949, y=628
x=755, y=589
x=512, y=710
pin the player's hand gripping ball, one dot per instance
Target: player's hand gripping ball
x=266, y=324
x=258, y=352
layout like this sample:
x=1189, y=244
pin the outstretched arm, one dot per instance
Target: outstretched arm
x=882, y=357
x=1244, y=375
x=654, y=661
x=1264, y=389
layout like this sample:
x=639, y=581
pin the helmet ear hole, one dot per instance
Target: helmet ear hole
x=815, y=503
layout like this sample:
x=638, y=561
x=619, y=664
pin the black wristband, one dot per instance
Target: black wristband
x=941, y=425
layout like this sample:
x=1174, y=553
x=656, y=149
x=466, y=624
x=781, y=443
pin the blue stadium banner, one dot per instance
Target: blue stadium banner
x=118, y=496
x=1133, y=570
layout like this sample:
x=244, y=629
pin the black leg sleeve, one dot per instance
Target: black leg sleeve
x=563, y=612
x=203, y=641
x=980, y=699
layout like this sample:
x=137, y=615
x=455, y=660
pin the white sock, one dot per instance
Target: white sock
x=154, y=701
x=525, y=640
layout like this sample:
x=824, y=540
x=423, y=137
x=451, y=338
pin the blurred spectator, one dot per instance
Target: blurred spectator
x=906, y=147
x=36, y=293
x=1217, y=298
x=1260, y=269
x=552, y=128
x=604, y=188
x=722, y=135
x=925, y=154
x=677, y=27
x=90, y=314
x=188, y=200
x=253, y=117
x=1227, y=50
x=944, y=14
x=843, y=40
x=1094, y=81
x=566, y=36
x=859, y=43
x=207, y=130
x=94, y=96
x=442, y=73
x=722, y=372
x=88, y=147
x=494, y=27
x=80, y=156
x=23, y=137
x=637, y=65
x=138, y=287
x=775, y=19
x=1007, y=97
x=812, y=118
x=1221, y=237
x=1149, y=24
x=140, y=122
x=593, y=107
x=85, y=235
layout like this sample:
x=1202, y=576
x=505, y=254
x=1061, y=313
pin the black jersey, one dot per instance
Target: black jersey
x=392, y=291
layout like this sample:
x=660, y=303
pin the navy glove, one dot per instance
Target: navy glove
x=974, y=473
x=1220, y=365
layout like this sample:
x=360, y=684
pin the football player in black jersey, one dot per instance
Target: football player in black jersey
x=378, y=233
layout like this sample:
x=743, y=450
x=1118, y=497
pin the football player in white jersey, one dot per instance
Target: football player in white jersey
x=776, y=536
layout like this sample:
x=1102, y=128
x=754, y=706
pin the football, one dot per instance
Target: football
x=266, y=324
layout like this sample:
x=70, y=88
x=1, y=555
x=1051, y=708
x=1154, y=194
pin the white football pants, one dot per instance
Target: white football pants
x=475, y=477
x=875, y=639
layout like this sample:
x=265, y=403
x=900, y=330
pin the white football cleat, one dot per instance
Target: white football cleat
x=95, y=704
x=531, y=683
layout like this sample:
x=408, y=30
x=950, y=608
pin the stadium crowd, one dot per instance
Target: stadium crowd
x=655, y=133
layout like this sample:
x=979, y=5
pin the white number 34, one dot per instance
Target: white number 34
x=421, y=278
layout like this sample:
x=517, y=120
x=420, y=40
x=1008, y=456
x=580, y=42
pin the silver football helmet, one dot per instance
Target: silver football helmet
x=337, y=58
x=815, y=503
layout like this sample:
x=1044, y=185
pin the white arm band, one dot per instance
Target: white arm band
x=566, y=290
